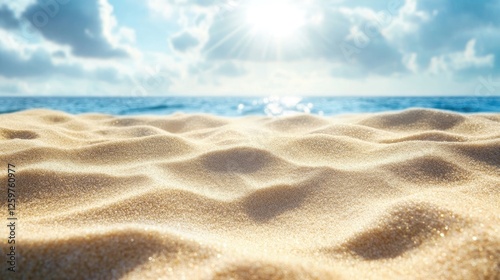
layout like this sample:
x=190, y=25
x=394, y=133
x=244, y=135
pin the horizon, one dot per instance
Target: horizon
x=238, y=106
x=251, y=96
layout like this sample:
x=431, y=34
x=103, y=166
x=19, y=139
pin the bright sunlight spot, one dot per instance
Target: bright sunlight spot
x=278, y=18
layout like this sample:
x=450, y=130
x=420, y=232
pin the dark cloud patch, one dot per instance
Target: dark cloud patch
x=74, y=23
x=7, y=18
x=469, y=11
x=380, y=58
x=40, y=65
x=37, y=65
x=184, y=42
x=451, y=24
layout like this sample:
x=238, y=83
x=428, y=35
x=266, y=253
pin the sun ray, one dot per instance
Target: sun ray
x=225, y=38
x=266, y=30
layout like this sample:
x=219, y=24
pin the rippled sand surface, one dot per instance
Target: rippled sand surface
x=407, y=195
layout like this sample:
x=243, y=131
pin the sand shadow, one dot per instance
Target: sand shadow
x=106, y=256
x=266, y=204
x=237, y=160
x=404, y=229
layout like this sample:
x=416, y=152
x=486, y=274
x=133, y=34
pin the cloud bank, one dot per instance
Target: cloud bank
x=420, y=47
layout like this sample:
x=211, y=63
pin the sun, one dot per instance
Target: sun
x=277, y=19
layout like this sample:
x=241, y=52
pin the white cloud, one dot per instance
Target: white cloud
x=161, y=7
x=413, y=46
x=461, y=60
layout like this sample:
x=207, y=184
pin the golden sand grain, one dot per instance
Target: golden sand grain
x=407, y=195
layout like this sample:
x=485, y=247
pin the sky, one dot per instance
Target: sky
x=241, y=47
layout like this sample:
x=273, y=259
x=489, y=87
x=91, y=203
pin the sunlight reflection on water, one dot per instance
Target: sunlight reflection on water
x=236, y=106
x=281, y=105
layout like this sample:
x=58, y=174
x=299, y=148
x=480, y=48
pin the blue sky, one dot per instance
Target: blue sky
x=239, y=47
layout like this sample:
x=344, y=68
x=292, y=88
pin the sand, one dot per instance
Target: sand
x=404, y=195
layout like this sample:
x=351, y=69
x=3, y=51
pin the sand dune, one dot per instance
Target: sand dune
x=407, y=195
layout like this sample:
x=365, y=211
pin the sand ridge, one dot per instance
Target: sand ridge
x=403, y=195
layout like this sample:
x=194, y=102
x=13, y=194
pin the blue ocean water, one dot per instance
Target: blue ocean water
x=242, y=106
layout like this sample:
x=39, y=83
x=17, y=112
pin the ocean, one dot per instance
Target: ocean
x=243, y=106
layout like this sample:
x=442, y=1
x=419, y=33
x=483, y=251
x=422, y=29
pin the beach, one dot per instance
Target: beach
x=412, y=194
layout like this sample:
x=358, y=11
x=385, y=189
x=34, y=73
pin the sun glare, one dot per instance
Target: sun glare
x=277, y=18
